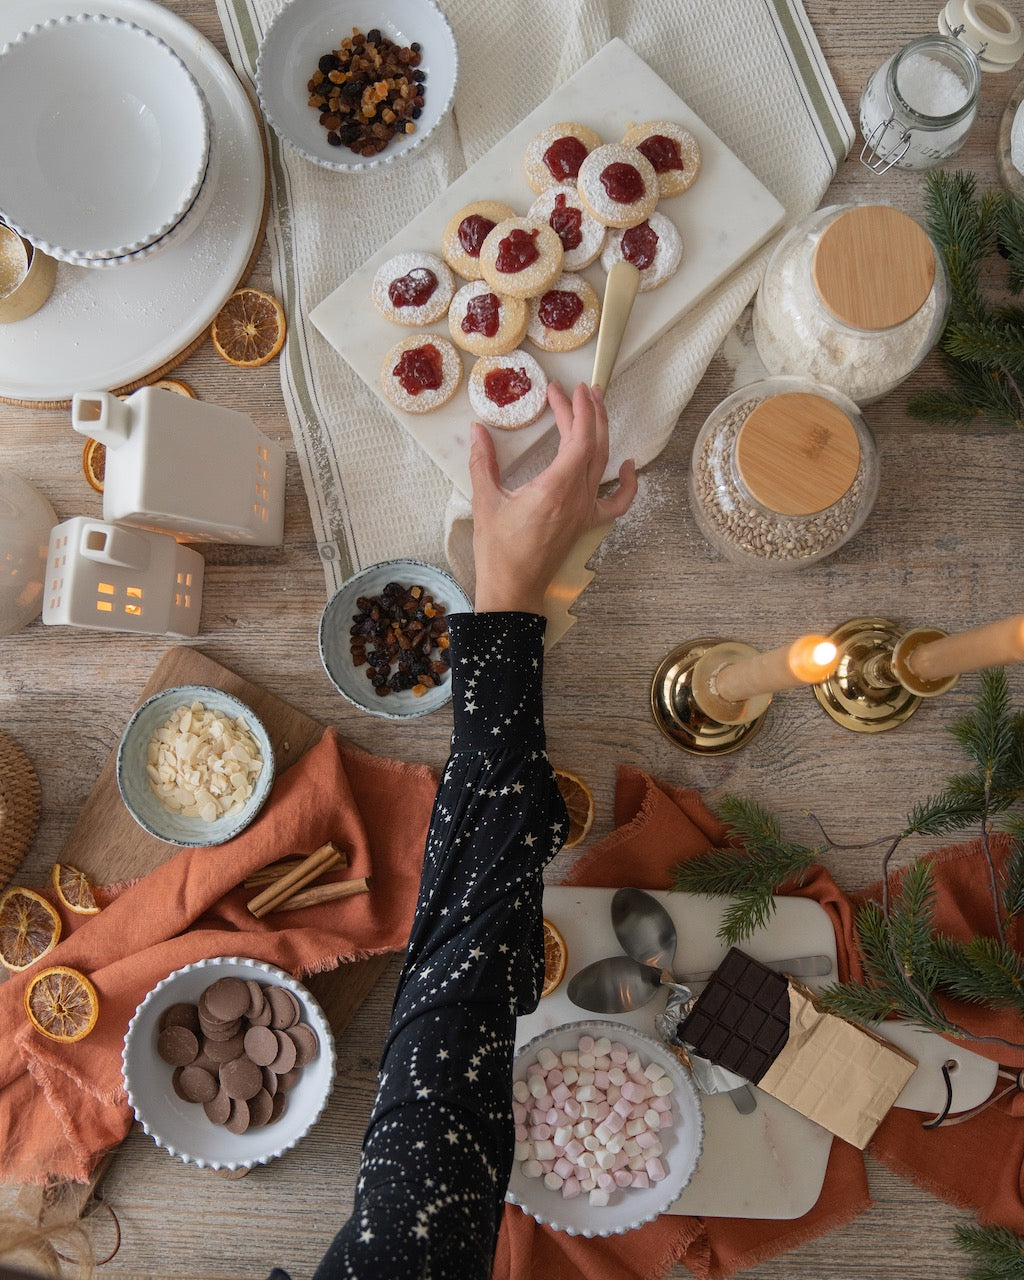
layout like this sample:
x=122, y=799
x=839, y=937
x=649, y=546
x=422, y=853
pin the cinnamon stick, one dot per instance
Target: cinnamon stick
x=324, y=893
x=263, y=876
x=326, y=858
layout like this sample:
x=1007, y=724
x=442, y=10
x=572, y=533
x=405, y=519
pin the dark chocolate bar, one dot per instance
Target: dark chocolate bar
x=740, y=1020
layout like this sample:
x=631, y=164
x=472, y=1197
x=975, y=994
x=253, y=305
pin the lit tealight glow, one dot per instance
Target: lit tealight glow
x=808, y=660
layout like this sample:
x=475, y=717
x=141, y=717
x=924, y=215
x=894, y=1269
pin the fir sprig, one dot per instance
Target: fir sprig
x=996, y=1252
x=982, y=344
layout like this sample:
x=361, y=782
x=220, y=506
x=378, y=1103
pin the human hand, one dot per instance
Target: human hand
x=521, y=537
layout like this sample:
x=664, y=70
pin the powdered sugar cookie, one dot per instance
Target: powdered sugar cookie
x=565, y=316
x=413, y=288
x=581, y=234
x=672, y=150
x=484, y=322
x=653, y=246
x=421, y=373
x=521, y=257
x=618, y=185
x=508, y=391
x=467, y=230
x=556, y=153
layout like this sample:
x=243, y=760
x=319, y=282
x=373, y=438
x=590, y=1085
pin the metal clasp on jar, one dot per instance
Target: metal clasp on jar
x=872, y=154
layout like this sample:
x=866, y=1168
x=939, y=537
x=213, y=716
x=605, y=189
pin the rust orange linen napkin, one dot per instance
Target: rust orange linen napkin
x=658, y=825
x=63, y=1106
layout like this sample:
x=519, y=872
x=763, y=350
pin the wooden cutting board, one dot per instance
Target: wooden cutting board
x=109, y=846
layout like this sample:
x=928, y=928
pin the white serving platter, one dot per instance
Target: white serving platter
x=110, y=328
x=770, y=1163
x=722, y=219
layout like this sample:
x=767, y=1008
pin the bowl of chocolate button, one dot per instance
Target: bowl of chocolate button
x=228, y=1063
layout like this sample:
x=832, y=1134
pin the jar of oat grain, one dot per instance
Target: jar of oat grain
x=784, y=471
x=855, y=297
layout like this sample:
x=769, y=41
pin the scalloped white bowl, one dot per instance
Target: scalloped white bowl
x=304, y=30
x=111, y=141
x=629, y=1207
x=182, y=1128
x=141, y=800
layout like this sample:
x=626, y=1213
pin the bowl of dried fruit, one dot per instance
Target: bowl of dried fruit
x=194, y=765
x=228, y=1062
x=384, y=637
x=353, y=88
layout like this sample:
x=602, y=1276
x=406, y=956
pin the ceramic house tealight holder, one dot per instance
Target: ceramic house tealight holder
x=114, y=578
x=196, y=470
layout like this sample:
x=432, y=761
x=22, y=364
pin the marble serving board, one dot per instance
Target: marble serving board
x=723, y=218
x=770, y=1163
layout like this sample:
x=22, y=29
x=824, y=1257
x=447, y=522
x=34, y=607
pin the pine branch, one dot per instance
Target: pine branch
x=981, y=972
x=996, y=1252
x=945, y=814
x=1013, y=886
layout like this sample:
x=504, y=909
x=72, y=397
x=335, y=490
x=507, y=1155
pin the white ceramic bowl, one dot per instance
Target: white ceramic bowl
x=628, y=1207
x=182, y=1128
x=304, y=30
x=336, y=620
x=112, y=137
x=142, y=802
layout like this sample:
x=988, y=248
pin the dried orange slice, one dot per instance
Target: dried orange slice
x=94, y=463
x=249, y=329
x=176, y=385
x=556, y=957
x=62, y=1003
x=74, y=889
x=29, y=928
x=579, y=800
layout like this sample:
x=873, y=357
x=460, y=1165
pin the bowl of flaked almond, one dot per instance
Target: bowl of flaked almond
x=195, y=765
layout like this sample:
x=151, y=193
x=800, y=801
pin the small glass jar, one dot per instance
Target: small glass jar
x=784, y=471
x=854, y=296
x=918, y=107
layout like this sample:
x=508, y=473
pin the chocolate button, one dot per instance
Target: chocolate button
x=241, y=1079
x=197, y=1085
x=218, y=1109
x=285, y=1006
x=177, y=1046
x=285, y=1060
x=256, y=999
x=225, y=1050
x=269, y=1081
x=307, y=1044
x=260, y=1108
x=261, y=1045
x=238, y=1120
x=219, y=1030
x=180, y=1015
x=226, y=999
x=280, y=1102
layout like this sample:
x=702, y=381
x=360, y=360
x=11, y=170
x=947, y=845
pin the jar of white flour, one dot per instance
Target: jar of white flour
x=854, y=296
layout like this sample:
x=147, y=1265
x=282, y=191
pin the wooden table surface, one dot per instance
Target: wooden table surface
x=941, y=547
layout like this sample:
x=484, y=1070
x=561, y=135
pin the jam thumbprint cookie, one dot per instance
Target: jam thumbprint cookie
x=654, y=248
x=672, y=150
x=508, y=391
x=467, y=230
x=521, y=257
x=581, y=234
x=555, y=155
x=413, y=288
x=421, y=373
x=565, y=316
x=484, y=322
x=618, y=185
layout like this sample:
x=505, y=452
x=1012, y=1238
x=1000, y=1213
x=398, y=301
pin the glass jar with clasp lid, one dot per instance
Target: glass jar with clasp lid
x=919, y=105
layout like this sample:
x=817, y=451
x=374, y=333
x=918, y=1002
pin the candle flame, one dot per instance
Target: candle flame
x=813, y=658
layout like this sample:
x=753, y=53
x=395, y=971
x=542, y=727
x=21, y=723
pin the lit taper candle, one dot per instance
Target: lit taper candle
x=808, y=660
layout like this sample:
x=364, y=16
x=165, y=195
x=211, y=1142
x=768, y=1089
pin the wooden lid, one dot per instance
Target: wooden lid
x=797, y=453
x=874, y=267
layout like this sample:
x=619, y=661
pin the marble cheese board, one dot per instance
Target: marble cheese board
x=722, y=219
x=770, y=1163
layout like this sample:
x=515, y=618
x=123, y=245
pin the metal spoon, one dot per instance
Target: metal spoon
x=646, y=932
x=619, y=984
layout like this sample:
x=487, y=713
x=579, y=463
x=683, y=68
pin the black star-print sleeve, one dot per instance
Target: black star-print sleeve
x=438, y=1151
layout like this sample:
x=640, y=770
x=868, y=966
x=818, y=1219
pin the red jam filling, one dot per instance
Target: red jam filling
x=639, y=245
x=505, y=386
x=483, y=314
x=567, y=222
x=559, y=309
x=662, y=152
x=420, y=369
x=622, y=182
x=414, y=289
x=564, y=157
x=517, y=251
x=473, y=231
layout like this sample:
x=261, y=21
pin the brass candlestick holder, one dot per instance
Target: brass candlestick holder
x=873, y=687
x=686, y=707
